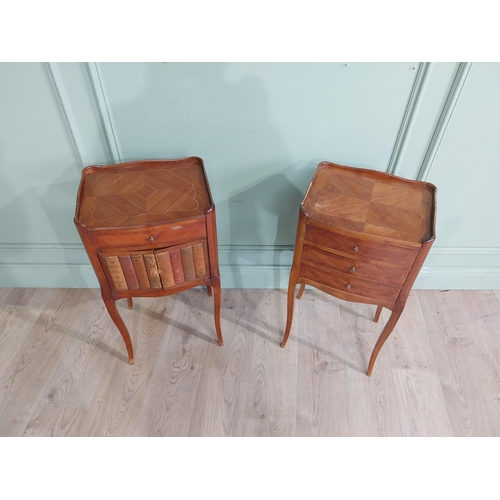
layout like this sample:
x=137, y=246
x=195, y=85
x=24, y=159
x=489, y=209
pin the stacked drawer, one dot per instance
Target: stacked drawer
x=367, y=268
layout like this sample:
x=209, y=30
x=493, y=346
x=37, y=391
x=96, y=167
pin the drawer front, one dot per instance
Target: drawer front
x=353, y=267
x=159, y=269
x=349, y=284
x=362, y=249
x=149, y=237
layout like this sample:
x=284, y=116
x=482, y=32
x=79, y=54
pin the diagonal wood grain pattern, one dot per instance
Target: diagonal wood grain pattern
x=397, y=208
x=63, y=371
x=141, y=193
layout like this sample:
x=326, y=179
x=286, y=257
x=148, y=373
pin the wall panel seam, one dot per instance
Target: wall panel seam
x=240, y=276
x=69, y=117
x=235, y=248
x=444, y=119
x=444, y=269
x=102, y=106
x=408, y=116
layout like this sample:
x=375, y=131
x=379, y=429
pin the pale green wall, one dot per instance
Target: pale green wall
x=467, y=165
x=261, y=129
x=38, y=164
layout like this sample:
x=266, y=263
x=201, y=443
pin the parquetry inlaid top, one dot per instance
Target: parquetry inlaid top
x=371, y=202
x=142, y=192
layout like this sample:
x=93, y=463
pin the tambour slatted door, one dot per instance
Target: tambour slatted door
x=163, y=268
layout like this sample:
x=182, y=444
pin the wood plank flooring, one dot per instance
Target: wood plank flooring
x=64, y=370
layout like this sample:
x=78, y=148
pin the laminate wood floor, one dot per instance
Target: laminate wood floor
x=64, y=370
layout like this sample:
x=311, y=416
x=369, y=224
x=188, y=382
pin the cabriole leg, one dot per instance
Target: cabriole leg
x=396, y=313
x=117, y=320
x=217, y=299
x=289, y=317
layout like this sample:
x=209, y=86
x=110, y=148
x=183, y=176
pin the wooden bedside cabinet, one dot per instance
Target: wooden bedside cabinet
x=149, y=230
x=362, y=236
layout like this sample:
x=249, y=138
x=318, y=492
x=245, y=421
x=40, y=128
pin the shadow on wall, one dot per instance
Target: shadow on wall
x=221, y=113
x=44, y=230
x=59, y=203
x=37, y=224
x=214, y=111
x=266, y=214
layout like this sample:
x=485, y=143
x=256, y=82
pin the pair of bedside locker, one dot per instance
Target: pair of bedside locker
x=149, y=230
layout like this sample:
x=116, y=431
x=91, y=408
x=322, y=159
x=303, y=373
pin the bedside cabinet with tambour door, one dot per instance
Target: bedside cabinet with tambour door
x=149, y=230
x=362, y=236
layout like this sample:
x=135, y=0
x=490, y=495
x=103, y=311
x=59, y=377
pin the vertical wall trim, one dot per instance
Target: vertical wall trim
x=409, y=114
x=95, y=78
x=62, y=97
x=444, y=118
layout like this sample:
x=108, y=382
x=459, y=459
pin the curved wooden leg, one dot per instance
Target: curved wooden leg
x=301, y=290
x=396, y=313
x=377, y=314
x=117, y=320
x=289, y=315
x=129, y=302
x=216, y=290
x=209, y=290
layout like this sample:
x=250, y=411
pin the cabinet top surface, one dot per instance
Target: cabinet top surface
x=142, y=192
x=371, y=202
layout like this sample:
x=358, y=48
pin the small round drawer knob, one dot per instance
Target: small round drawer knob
x=348, y=287
x=352, y=269
x=354, y=249
x=151, y=239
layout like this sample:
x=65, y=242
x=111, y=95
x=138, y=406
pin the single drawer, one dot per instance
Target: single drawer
x=353, y=267
x=349, y=284
x=149, y=236
x=362, y=249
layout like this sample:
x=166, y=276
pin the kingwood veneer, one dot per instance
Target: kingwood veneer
x=362, y=236
x=149, y=230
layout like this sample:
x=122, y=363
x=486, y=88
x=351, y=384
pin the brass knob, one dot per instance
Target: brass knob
x=354, y=249
x=348, y=287
x=352, y=269
x=151, y=239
